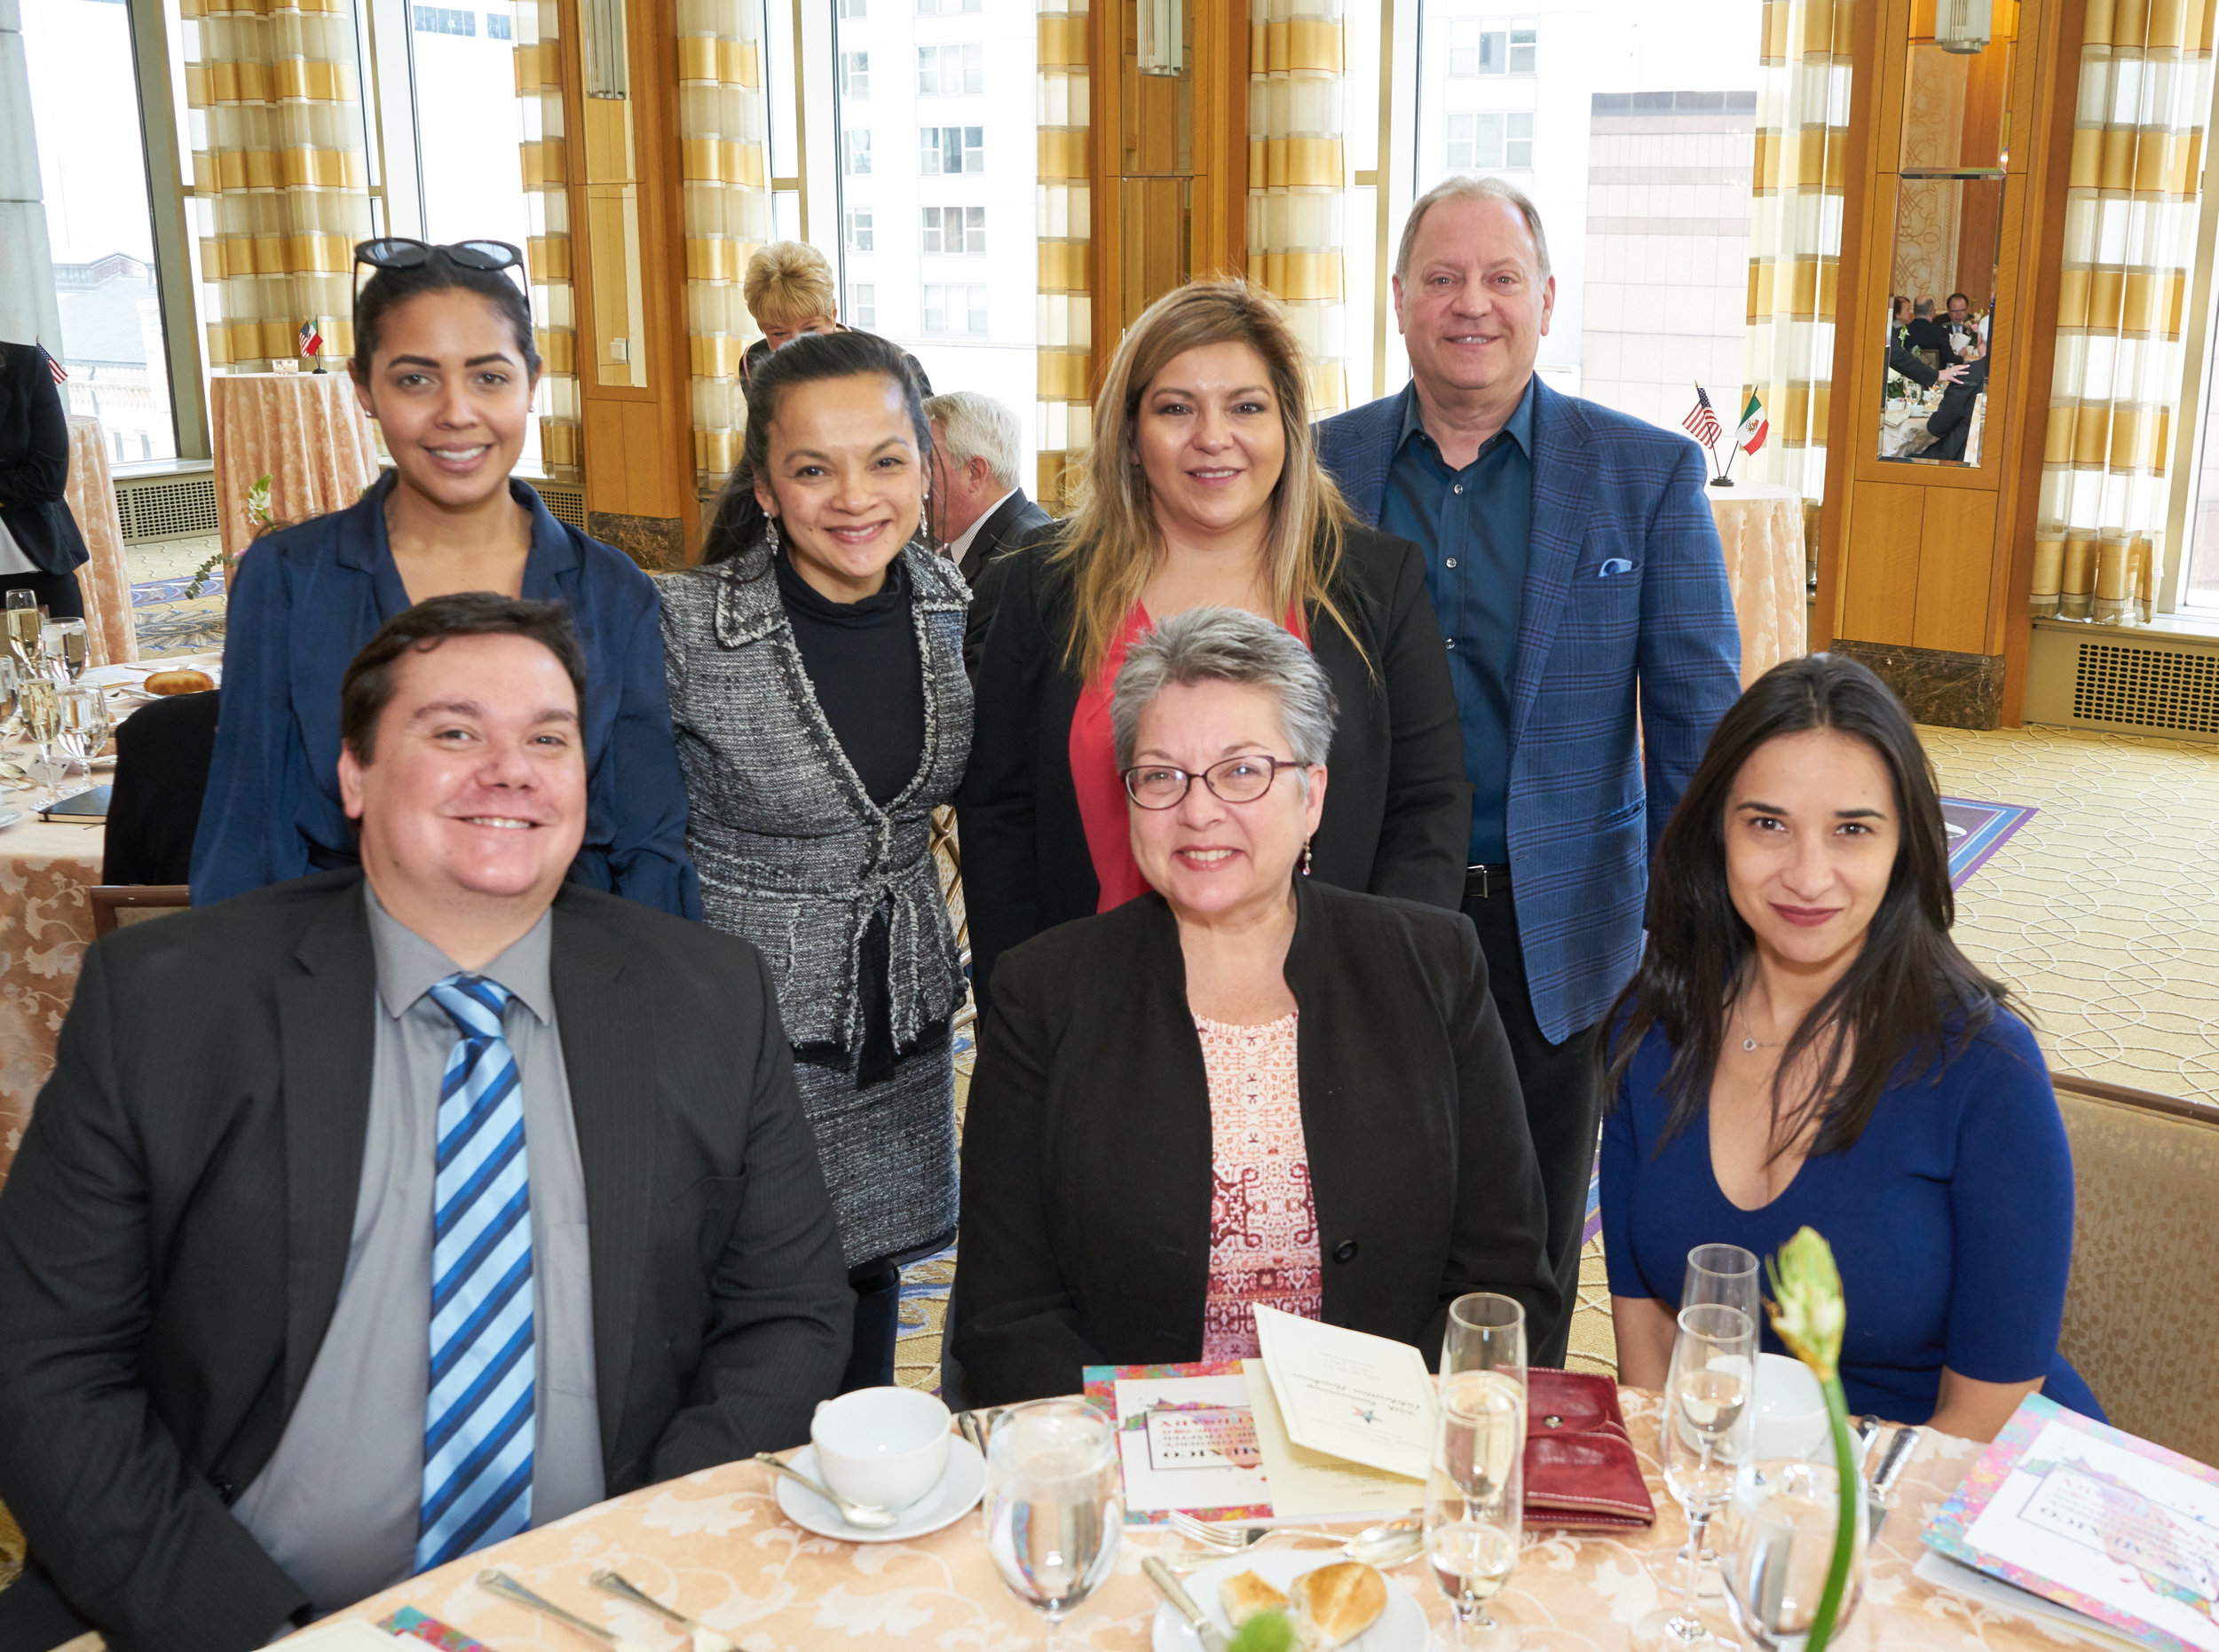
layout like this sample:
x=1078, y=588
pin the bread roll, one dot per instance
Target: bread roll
x=1339, y=1601
x=1245, y=1594
x=179, y=680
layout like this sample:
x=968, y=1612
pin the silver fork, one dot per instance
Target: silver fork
x=1233, y=1536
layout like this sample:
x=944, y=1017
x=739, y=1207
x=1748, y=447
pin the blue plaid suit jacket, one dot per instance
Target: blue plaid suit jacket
x=1628, y=655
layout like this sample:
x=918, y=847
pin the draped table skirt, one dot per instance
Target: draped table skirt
x=1761, y=528
x=303, y=431
x=105, y=583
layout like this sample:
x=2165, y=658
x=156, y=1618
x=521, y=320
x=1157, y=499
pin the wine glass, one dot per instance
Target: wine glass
x=1725, y=1275
x=41, y=703
x=84, y=723
x=1776, y=1542
x=1475, y=1492
x=1710, y=1420
x=1054, y=1509
x=24, y=623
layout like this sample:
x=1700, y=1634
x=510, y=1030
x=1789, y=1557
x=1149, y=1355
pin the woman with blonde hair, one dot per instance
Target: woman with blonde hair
x=1202, y=488
x=790, y=292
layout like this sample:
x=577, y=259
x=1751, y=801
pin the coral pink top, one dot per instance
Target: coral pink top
x=1263, y=1222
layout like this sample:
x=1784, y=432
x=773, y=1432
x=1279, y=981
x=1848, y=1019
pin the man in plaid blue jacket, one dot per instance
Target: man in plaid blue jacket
x=1582, y=598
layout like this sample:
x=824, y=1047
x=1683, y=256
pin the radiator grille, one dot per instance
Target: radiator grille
x=2147, y=688
x=179, y=507
x=564, y=504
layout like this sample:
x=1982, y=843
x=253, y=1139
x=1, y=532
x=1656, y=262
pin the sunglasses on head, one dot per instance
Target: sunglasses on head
x=400, y=252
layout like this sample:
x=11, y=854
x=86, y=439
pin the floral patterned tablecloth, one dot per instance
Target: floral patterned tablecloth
x=45, y=925
x=715, y=1544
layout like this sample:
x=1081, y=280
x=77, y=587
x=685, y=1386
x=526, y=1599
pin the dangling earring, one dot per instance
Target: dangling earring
x=1306, y=856
x=770, y=534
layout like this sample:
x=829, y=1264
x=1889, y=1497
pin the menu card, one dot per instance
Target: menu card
x=1349, y=1394
x=2112, y=1527
x=1316, y=1485
x=1186, y=1440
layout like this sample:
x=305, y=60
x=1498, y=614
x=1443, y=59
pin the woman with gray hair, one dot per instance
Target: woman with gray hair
x=1245, y=1086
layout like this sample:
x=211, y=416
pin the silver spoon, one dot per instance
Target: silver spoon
x=496, y=1581
x=863, y=1515
x=704, y=1638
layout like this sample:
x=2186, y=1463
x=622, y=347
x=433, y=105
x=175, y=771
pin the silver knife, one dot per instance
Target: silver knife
x=1893, y=1460
x=1205, y=1631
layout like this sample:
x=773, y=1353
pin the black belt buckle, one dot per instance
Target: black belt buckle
x=1485, y=882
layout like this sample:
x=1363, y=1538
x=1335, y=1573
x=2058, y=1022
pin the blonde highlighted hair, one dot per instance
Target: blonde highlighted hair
x=1112, y=544
x=788, y=283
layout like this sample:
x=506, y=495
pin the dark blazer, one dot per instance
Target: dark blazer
x=1901, y=359
x=1628, y=655
x=162, y=754
x=1952, y=421
x=305, y=601
x=986, y=587
x=1398, y=813
x=35, y=462
x=1086, y=1150
x=1013, y=522
x=174, y=1233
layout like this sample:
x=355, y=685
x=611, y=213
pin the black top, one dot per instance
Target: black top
x=1952, y=421
x=35, y=462
x=162, y=754
x=1398, y=813
x=863, y=663
x=1087, y=1154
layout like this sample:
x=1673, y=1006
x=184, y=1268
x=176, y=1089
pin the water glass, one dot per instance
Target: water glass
x=1776, y=1546
x=84, y=723
x=41, y=703
x=1475, y=1492
x=1053, y=1508
x=1725, y=1275
x=1709, y=1424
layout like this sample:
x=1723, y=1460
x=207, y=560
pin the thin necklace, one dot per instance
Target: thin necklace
x=1748, y=1039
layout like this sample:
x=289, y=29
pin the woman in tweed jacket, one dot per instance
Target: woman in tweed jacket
x=818, y=691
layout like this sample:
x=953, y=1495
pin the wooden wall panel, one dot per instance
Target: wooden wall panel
x=1880, y=601
x=1956, y=553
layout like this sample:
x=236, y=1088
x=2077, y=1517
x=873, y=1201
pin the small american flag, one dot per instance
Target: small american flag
x=312, y=341
x=59, y=372
x=1702, y=422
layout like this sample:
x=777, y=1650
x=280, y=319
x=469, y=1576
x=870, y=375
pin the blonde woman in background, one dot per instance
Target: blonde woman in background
x=790, y=290
x=1201, y=489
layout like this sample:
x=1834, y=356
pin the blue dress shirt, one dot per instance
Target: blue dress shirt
x=1473, y=526
x=306, y=599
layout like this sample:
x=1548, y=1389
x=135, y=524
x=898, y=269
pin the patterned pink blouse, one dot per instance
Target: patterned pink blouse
x=1263, y=1222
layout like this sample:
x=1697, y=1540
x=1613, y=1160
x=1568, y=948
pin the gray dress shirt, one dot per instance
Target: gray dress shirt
x=338, y=1503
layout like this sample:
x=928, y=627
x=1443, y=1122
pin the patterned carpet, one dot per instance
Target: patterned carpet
x=170, y=622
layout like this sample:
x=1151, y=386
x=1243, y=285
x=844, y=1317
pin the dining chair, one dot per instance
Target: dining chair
x=115, y=905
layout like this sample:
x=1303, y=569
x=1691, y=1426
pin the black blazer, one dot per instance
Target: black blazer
x=1017, y=520
x=1398, y=813
x=1086, y=1150
x=1900, y=360
x=1952, y=421
x=35, y=462
x=162, y=754
x=175, y=1231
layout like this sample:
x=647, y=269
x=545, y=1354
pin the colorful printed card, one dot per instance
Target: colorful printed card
x=410, y=1620
x=1187, y=1438
x=2080, y=1513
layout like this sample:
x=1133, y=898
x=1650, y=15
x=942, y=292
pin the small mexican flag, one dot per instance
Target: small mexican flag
x=1754, y=427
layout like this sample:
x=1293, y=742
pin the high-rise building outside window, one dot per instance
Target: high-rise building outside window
x=863, y=306
x=945, y=149
x=858, y=237
x=854, y=73
x=954, y=229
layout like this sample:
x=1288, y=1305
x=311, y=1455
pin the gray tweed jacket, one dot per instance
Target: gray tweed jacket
x=792, y=853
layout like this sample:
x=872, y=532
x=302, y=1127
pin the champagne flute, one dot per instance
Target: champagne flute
x=1776, y=1541
x=1710, y=1420
x=10, y=677
x=1725, y=1275
x=1475, y=1491
x=24, y=622
x=41, y=704
x=1054, y=1509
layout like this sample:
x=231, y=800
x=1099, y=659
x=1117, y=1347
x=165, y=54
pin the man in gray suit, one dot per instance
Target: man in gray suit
x=375, y=1217
x=979, y=507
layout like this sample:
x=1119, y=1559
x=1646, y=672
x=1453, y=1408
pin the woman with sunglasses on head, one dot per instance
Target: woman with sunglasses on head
x=815, y=669
x=444, y=362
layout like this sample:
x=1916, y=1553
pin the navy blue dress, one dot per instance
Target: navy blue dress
x=1951, y=1219
x=308, y=598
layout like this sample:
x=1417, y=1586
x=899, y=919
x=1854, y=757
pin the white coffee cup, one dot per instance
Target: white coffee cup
x=885, y=1447
x=1790, y=1411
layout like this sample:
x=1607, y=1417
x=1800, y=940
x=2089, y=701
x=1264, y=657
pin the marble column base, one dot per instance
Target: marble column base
x=657, y=543
x=1949, y=691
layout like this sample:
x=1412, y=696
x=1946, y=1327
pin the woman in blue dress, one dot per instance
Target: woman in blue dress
x=444, y=360
x=1804, y=1044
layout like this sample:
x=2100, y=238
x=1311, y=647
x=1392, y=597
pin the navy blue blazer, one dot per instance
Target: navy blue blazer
x=305, y=601
x=1628, y=655
x=35, y=462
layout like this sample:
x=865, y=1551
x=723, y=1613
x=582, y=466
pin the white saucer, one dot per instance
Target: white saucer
x=9, y=816
x=1401, y=1628
x=956, y=1496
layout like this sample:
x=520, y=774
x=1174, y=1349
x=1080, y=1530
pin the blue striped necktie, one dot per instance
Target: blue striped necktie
x=478, y=1414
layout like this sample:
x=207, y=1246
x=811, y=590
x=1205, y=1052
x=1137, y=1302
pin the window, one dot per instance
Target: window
x=1490, y=143
x=854, y=144
x=854, y=73
x=955, y=309
x=951, y=71
x=859, y=236
x=1486, y=48
x=954, y=229
x=497, y=26
x=952, y=149
x=1521, y=50
x=863, y=305
x=946, y=8
x=441, y=19
x=853, y=10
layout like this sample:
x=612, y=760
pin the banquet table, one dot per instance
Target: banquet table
x=715, y=1545
x=303, y=431
x=1760, y=526
x=1903, y=431
x=104, y=583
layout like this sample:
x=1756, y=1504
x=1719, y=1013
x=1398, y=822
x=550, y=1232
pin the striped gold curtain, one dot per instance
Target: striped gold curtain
x=547, y=199
x=1065, y=337
x=726, y=173
x=278, y=170
x=2129, y=241
x=1296, y=178
x=1796, y=233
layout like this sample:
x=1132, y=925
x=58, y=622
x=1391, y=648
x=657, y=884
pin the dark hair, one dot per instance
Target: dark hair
x=388, y=289
x=367, y=687
x=812, y=358
x=1954, y=296
x=1894, y=1009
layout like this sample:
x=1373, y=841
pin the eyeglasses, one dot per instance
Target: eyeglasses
x=1235, y=780
x=400, y=252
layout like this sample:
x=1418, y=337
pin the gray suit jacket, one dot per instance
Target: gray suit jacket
x=174, y=1235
